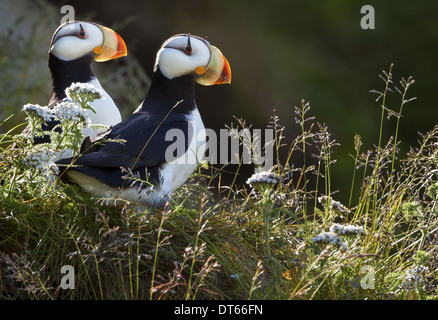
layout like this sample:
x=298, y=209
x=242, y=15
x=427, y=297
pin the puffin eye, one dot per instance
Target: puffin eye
x=81, y=34
x=188, y=48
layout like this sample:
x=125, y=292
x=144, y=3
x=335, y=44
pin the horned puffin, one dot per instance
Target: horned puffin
x=75, y=45
x=114, y=170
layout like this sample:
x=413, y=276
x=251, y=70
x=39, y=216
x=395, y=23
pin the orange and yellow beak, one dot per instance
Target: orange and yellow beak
x=218, y=70
x=112, y=46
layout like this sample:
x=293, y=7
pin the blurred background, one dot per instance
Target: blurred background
x=280, y=52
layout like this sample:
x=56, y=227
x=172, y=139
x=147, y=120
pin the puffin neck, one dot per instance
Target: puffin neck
x=64, y=73
x=165, y=93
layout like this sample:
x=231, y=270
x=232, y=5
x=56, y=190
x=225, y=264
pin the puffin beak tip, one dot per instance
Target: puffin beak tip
x=218, y=70
x=113, y=46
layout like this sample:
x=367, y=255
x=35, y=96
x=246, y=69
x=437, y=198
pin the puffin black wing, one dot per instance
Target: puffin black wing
x=146, y=147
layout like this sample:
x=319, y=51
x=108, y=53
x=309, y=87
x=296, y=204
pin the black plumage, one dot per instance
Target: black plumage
x=166, y=106
x=64, y=73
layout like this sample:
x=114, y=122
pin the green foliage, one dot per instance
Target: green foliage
x=237, y=243
x=275, y=238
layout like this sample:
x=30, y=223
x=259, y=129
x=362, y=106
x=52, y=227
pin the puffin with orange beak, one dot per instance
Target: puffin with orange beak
x=163, y=140
x=74, y=47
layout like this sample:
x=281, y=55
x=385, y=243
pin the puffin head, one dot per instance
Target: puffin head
x=76, y=39
x=187, y=55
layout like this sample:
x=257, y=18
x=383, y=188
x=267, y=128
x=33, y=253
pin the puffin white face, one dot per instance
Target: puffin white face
x=77, y=39
x=183, y=55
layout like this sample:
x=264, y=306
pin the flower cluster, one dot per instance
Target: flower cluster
x=41, y=158
x=263, y=178
x=77, y=89
x=64, y=110
x=69, y=111
x=335, y=232
x=333, y=204
x=328, y=237
x=346, y=229
x=73, y=115
x=414, y=277
x=35, y=109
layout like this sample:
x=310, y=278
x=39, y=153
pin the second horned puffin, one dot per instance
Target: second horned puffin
x=74, y=47
x=148, y=153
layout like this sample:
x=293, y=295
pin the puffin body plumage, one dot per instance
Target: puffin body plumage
x=118, y=170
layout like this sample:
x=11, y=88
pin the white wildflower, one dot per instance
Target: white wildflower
x=414, y=277
x=42, y=158
x=347, y=229
x=86, y=89
x=42, y=111
x=333, y=204
x=66, y=110
x=328, y=237
x=263, y=178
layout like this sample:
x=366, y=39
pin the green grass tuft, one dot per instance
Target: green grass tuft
x=259, y=241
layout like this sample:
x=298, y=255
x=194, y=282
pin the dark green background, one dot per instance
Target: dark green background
x=283, y=51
